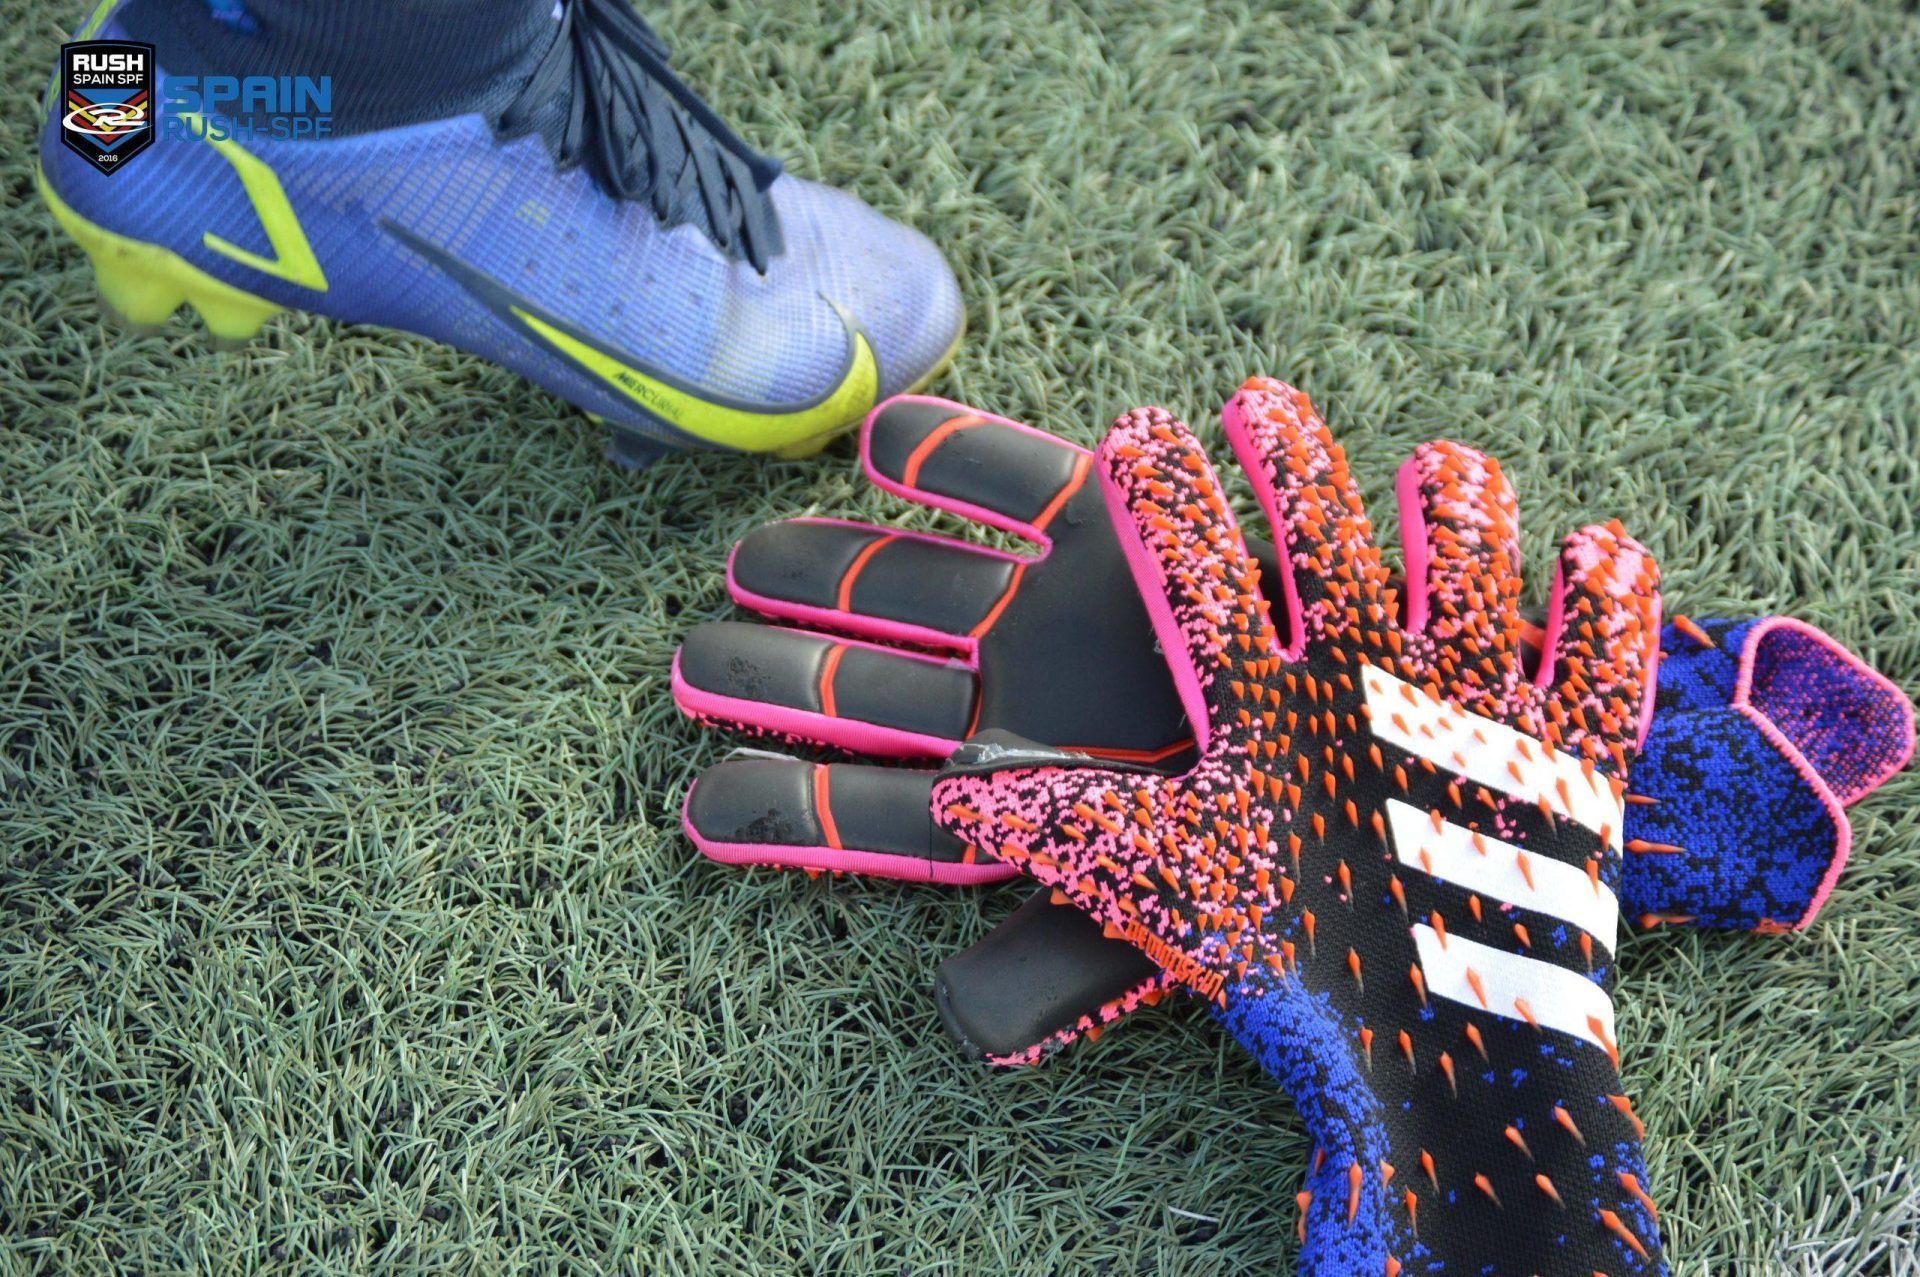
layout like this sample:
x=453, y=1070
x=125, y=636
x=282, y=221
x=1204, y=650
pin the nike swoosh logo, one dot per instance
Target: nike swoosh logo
x=685, y=408
x=293, y=258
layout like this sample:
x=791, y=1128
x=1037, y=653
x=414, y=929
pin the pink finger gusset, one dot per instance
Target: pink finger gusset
x=879, y=629
x=1460, y=527
x=1603, y=634
x=1233, y=421
x=1191, y=672
x=1548, y=647
x=965, y=509
x=870, y=864
x=1413, y=542
x=807, y=725
x=1309, y=497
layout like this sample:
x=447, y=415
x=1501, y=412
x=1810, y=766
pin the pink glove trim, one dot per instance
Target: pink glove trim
x=966, y=510
x=873, y=864
x=810, y=725
x=872, y=627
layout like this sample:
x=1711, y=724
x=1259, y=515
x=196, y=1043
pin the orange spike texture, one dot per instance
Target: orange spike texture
x=1283, y=833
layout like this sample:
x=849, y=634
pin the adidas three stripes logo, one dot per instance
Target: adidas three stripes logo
x=1492, y=754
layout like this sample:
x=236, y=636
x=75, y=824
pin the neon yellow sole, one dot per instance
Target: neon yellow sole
x=144, y=283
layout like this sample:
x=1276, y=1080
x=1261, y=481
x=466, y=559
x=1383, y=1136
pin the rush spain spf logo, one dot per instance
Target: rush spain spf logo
x=107, y=101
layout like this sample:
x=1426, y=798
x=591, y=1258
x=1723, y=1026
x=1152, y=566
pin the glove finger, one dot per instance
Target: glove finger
x=1601, y=645
x=896, y=587
x=1200, y=586
x=1460, y=530
x=982, y=467
x=1044, y=977
x=842, y=817
x=1301, y=478
x=1850, y=722
x=1047, y=818
x=806, y=687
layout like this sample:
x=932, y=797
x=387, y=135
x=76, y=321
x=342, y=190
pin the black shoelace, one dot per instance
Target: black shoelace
x=604, y=97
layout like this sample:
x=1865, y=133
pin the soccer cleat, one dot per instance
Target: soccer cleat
x=601, y=233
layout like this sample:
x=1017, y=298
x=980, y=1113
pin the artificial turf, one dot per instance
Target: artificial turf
x=345, y=923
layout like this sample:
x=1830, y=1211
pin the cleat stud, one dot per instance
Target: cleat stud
x=133, y=301
x=136, y=295
x=143, y=283
x=231, y=317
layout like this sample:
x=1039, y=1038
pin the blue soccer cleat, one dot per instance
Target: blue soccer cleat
x=597, y=230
